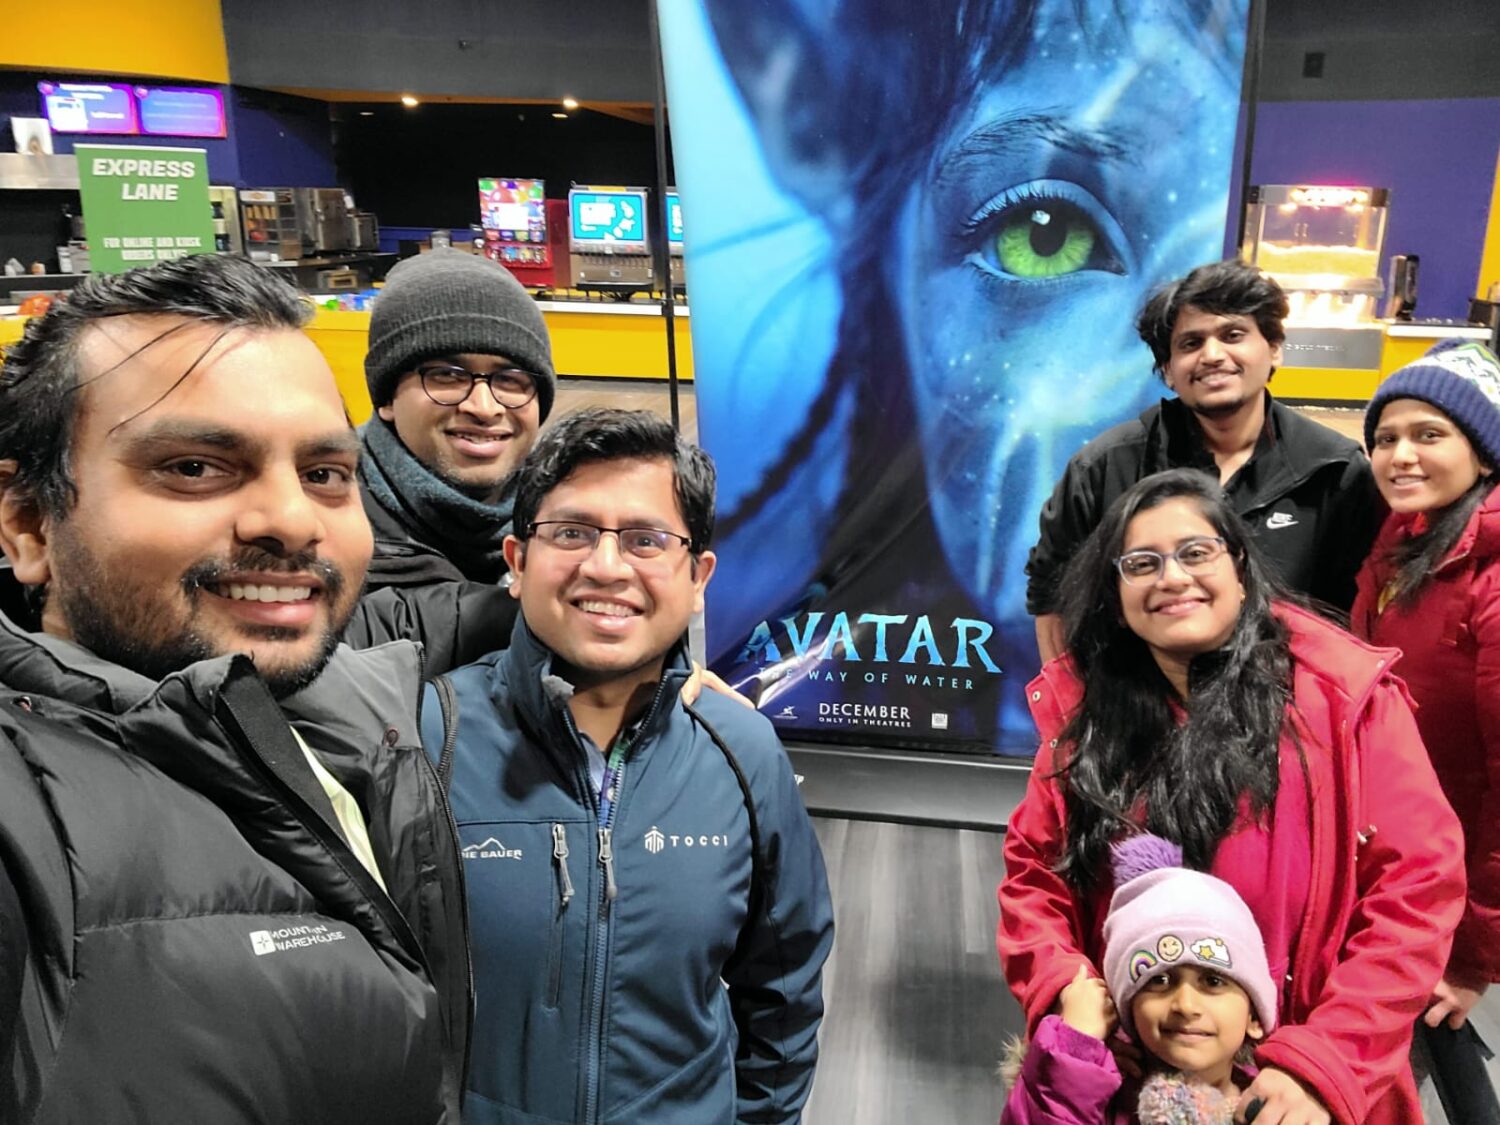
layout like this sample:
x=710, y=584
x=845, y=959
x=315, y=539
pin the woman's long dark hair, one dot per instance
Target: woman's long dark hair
x=1416, y=559
x=1131, y=764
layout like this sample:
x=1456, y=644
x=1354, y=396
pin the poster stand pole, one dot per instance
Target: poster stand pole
x=660, y=249
x=1254, y=49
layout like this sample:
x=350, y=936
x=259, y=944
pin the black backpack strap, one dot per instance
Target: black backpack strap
x=757, y=867
x=247, y=707
x=448, y=704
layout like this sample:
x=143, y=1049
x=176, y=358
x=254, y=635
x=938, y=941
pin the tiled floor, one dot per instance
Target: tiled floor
x=628, y=394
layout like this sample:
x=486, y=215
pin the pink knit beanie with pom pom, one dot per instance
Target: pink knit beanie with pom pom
x=1164, y=915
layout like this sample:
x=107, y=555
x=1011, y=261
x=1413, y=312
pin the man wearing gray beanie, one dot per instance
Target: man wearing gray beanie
x=460, y=373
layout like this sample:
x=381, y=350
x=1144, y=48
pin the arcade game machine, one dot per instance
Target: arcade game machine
x=607, y=241
x=513, y=214
x=1323, y=244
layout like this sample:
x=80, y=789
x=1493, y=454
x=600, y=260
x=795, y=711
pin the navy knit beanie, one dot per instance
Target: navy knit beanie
x=450, y=302
x=1459, y=377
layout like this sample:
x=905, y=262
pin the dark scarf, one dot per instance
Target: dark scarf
x=468, y=532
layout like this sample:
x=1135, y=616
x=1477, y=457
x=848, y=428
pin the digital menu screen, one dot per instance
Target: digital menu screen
x=95, y=107
x=175, y=111
x=111, y=109
x=608, y=216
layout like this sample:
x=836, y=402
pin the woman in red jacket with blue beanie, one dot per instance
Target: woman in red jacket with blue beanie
x=1281, y=755
x=1432, y=587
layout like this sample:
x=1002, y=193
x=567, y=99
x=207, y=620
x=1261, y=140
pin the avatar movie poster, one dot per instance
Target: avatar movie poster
x=917, y=237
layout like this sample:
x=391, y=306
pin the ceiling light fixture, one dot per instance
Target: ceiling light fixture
x=408, y=101
x=570, y=103
x=563, y=116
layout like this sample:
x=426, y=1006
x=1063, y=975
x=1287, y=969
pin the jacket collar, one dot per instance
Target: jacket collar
x=1318, y=647
x=356, y=690
x=1291, y=448
x=540, y=695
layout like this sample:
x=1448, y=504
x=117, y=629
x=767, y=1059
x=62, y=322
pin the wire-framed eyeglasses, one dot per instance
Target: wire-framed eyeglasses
x=644, y=543
x=1196, y=556
x=448, y=384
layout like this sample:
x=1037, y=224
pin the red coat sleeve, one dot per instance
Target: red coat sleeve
x=1041, y=936
x=1409, y=893
x=1476, y=947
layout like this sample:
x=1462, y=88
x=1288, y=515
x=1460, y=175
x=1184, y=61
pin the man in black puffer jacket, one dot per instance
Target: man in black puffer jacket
x=230, y=886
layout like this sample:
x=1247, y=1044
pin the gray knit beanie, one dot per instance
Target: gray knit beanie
x=450, y=302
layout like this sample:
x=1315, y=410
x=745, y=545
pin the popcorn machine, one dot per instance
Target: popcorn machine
x=1323, y=245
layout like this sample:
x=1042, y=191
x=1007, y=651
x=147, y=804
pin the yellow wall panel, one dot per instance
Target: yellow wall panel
x=181, y=39
x=1343, y=384
x=595, y=344
x=598, y=345
x=1489, y=263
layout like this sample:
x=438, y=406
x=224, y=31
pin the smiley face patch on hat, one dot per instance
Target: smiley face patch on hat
x=1212, y=951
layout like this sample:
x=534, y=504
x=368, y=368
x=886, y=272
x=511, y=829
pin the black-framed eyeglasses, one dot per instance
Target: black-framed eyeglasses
x=643, y=543
x=448, y=384
x=1196, y=556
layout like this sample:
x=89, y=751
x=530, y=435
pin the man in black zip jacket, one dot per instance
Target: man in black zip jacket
x=1304, y=490
x=229, y=883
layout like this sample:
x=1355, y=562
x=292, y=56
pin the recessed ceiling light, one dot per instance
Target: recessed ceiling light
x=570, y=103
x=408, y=101
x=367, y=113
x=564, y=116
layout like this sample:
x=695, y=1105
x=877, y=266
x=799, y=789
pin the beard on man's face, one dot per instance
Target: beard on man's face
x=117, y=622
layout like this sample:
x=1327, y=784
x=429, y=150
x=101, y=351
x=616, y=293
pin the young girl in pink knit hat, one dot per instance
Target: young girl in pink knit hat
x=1185, y=978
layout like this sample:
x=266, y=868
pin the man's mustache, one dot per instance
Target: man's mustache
x=214, y=572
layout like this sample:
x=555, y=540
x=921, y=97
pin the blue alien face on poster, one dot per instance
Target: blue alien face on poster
x=918, y=237
x=1071, y=183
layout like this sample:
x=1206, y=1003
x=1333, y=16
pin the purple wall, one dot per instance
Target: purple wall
x=1437, y=157
x=282, y=141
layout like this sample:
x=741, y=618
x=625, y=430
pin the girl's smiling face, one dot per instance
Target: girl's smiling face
x=1195, y=1020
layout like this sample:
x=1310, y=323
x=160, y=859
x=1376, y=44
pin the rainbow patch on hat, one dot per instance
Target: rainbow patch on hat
x=1213, y=951
x=1142, y=961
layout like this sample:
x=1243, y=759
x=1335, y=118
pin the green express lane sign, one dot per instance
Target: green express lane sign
x=144, y=204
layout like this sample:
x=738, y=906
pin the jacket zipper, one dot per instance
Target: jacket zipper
x=609, y=893
x=601, y=937
x=564, y=895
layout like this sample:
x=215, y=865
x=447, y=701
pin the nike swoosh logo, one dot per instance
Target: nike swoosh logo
x=1280, y=519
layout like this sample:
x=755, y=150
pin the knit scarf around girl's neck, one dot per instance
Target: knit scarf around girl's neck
x=468, y=532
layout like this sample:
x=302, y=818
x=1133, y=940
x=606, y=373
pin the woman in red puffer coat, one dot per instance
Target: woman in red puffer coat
x=1431, y=586
x=1281, y=754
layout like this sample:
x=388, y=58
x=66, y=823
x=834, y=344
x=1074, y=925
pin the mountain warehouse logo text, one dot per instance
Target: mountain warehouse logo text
x=491, y=849
x=292, y=937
